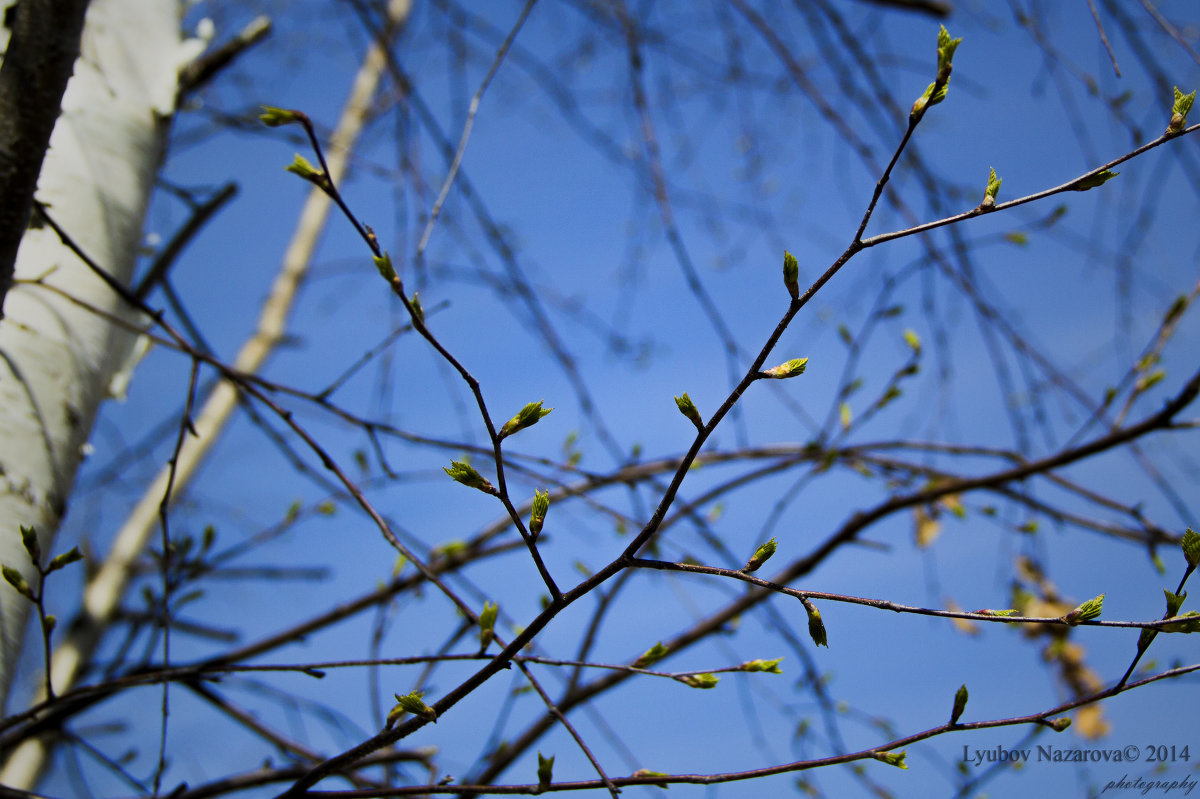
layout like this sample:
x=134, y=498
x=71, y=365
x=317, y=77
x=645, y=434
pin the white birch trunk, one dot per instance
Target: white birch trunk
x=57, y=359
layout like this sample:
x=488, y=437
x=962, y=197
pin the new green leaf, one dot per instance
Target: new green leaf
x=945, y=50
x=704, y=681
x=537, y=516
x=411, y=703
x=760, y=556
x=936, y=91
x=1087, y=611
x=1180, y=109
x=300, y=166
x=689, y=409
x=463, y=472
x=769, y=666
x=993, y=188
x=651, y=655
x=528, y=416
x=1191, y=547
x=545, y=771
x=273, y=117
x=783, y=371
x=891, y=758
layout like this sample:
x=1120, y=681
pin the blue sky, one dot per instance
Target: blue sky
x=751, y=169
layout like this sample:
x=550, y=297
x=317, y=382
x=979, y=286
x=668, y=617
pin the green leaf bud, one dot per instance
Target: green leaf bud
x=936, y=91
x=791, y=274
x=783, y=371
x=816, y=627
x=1191, y=547
x=537, y=516
x=411, y=703
x=463, y=472
x=891, y=758
x=651, y=655
x=30, y=541
x=65, y=559
x=545, y=771
x=645, y=772
x=526, y=417
x=1180, y=109
x=945, y=50
x=1178, y=306
x=1059, y=724
x=17, y=581
x=1148, y=381
x=417, y=311
x=689, y=409
x=760, y=556
x=273, y=117
x=993, y=188
x=769, y=666
x=384, y=264
x=487, y=624
x=703, y=681
x=1092, y=181
x=300, y=166
x=912, y=340
x=1174, y=602
x=960, y=704
x=1087, y=611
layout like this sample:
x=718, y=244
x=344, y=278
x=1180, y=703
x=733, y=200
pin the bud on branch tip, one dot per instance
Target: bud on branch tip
x=936, y=91
x=689, y=409
x=273, y=117
x=1191, y=548
x=528, y=416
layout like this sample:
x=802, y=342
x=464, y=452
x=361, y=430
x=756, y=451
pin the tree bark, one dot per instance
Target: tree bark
x=42, y=48
x=59, y=357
